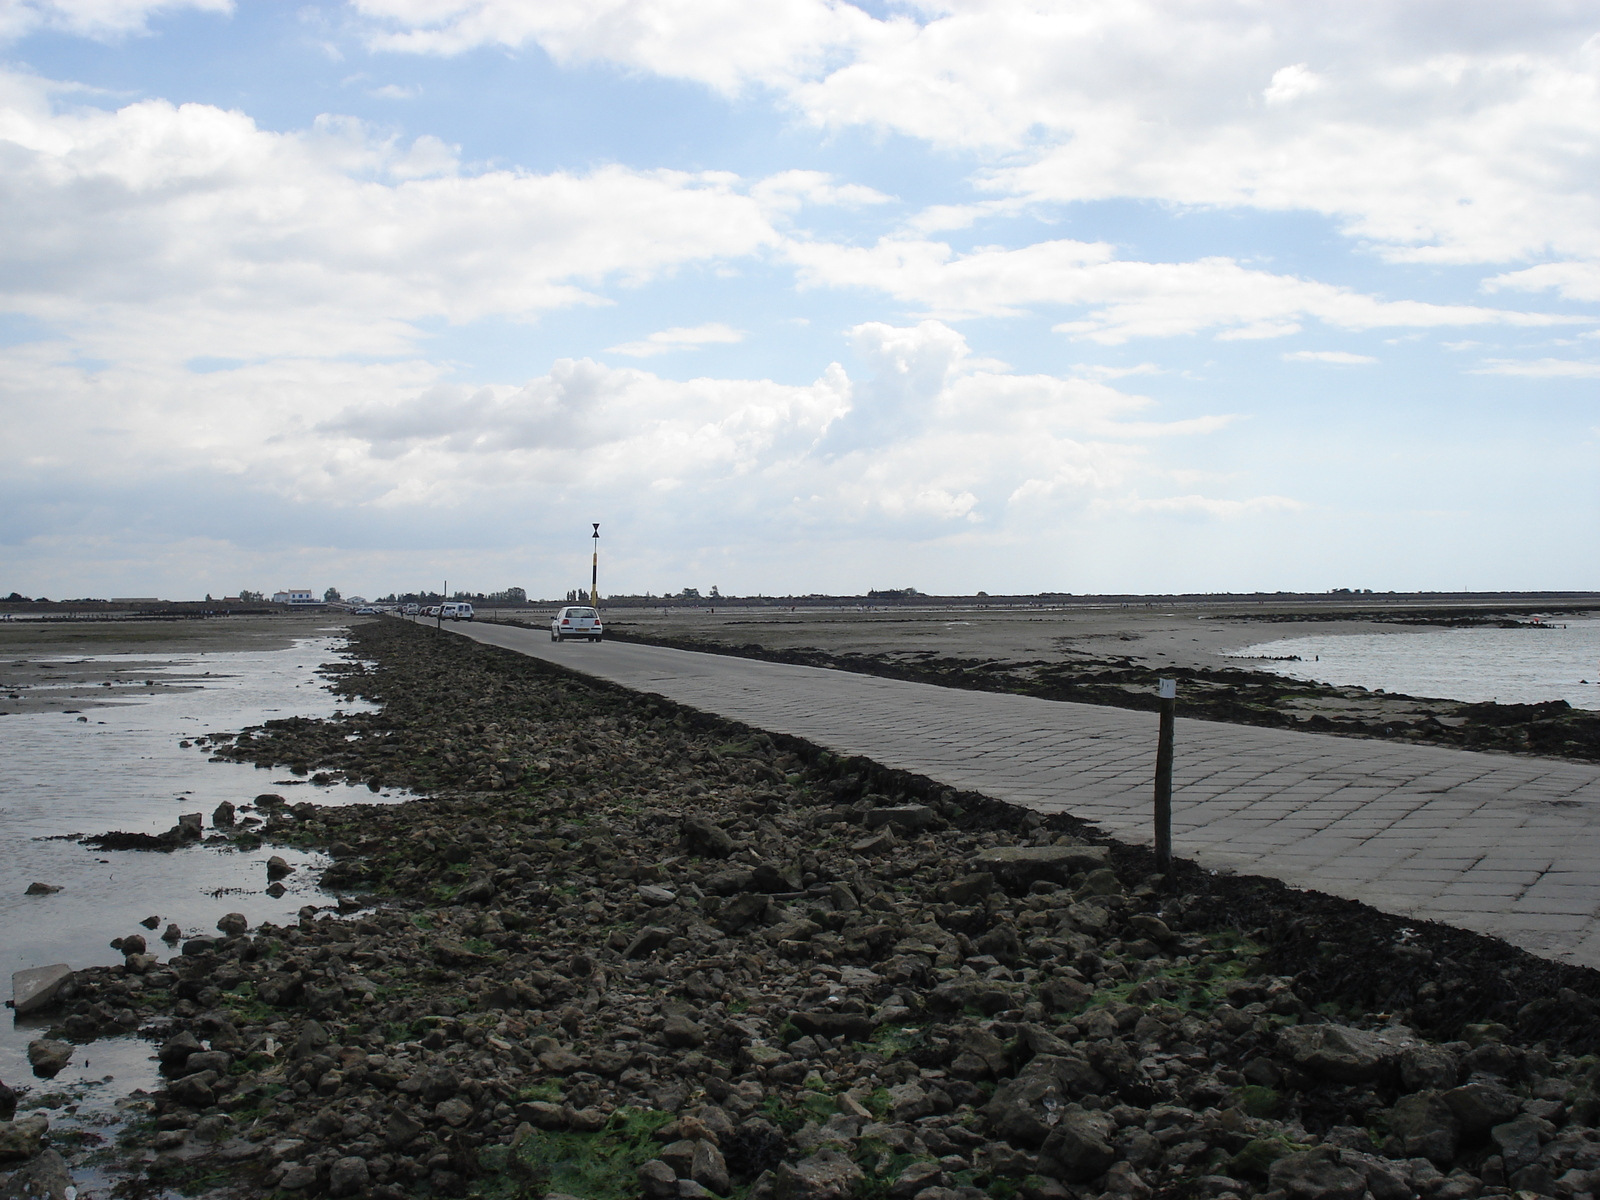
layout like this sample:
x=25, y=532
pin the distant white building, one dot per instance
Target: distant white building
x=295, y=596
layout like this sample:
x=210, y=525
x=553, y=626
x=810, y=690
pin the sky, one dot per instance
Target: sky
x=800, y=296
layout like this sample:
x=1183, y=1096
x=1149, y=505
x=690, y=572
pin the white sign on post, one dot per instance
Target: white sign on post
x=1169, y=689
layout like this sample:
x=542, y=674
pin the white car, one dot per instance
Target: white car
x=456, y=611
x=576, y=623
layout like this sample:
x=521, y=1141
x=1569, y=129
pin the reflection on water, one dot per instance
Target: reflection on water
x=121, y=767
x=1512, y=666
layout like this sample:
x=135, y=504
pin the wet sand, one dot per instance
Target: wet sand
x=63, y=666
x=1165, y=636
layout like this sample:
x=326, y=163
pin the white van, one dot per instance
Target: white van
x=456, y=611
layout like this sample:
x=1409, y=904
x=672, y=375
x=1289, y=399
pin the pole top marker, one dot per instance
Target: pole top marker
x=1168, y=689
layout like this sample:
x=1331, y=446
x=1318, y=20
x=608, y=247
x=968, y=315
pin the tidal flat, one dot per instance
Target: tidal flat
x=622, y=948
x=1114, y=655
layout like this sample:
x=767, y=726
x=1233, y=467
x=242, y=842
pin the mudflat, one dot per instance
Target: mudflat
x=1114, y=654
x=54, y=666
x=1156, y=636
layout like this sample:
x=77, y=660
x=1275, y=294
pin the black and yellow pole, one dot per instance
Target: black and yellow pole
x=594, y=569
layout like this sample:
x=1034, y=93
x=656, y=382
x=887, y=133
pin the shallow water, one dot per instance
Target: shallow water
x=121, y=768
x=1512, y=666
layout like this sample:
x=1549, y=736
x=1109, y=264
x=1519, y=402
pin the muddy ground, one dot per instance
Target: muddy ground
x=1114, y=655
x=73, y=666
x=626, y=949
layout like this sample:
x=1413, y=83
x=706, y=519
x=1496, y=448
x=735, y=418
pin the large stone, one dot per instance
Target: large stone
x=967, y=889
x=1518, y=1142
x=45, y=1178
x=826, y=1175
x=22, y=1139
x=908, y=1102
x=657, y=1180
x=648, y=940
x=1079, y=1147
x=1018, y=866
x=1023, y=1109
x=1423, y=1126
x=1343, y=1054
x=909, y=817
x=1480, y=1106
x=680, y=1032
x=347, y=1176
x=278, y=867
x=741, y=911
x=39, y=987
x=1427, y=1066
x=706, y=838
x=232, y=924
x=47, y=1056
x=854, y=1027
x=1320, y=1174
x=194, y=1091
x=175, y=1051
x=708, y=1169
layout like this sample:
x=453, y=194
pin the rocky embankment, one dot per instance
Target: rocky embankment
x=1236, y=695
x=628, y=950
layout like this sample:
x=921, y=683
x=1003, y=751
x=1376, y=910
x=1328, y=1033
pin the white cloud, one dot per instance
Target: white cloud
x=186, y=230
x=724, y=44
x=1338, y=357
x=932, y=440
x=1539, y=368
x=1206, y=506
x=394, y=91
x=1571, y=280
x=1126, y=299
x=93, y=18
x=787, y=191
x=1290, y=83
x=667, y=340
x=1466, y=138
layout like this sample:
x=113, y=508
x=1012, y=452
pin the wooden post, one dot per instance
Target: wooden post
x=1169, y=703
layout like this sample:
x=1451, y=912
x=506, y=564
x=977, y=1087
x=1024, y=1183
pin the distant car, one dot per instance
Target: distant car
x=366, y=610
x=411, y=610
x=576, y=623
x=456, y=611
x=431, y=611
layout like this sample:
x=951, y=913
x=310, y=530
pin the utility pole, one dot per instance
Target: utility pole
x=1168, y=694
x=594, y=569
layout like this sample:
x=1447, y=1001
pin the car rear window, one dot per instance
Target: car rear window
x=580, y=612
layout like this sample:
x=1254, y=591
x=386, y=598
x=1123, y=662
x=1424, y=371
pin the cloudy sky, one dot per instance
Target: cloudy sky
x=796, y=296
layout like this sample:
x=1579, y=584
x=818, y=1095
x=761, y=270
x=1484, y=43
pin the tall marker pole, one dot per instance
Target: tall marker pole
x=438, y=613
x=594, y=569
x=1168, y=693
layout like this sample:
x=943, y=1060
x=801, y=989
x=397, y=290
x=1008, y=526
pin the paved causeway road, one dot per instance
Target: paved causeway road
x=1504, y=845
